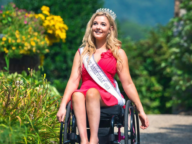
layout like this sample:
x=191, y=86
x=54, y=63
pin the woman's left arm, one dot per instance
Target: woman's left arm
x=129, y=87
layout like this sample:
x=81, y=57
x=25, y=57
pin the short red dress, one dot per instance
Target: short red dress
x=108, y=65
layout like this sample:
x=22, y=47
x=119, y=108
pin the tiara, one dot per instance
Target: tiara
x=108, y=11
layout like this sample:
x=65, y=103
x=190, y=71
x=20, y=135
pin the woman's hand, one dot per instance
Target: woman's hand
x=61, y=114
x=144, y=120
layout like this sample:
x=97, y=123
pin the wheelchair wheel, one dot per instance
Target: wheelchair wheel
x=66, y=128
x=131, y=124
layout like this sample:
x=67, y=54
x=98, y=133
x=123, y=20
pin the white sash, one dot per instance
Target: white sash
x=100, y=78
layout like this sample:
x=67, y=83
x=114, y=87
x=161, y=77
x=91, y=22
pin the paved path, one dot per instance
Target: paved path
x=168, y=129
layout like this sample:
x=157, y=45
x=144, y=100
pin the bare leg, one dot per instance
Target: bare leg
x=93, y=103
x=78, y=101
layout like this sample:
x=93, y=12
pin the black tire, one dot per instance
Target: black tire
x=128, y=104
x=131, y=125
x=137, y=125
x=63, y=131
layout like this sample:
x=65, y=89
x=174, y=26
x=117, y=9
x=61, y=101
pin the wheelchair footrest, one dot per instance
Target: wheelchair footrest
x=74, y=137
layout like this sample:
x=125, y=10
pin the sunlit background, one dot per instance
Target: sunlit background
x=45, y=34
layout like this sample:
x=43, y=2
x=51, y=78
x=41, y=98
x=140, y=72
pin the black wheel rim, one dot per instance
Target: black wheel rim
x=64, y=126
x=137, y=124
x=126, y=117
x=131, y=124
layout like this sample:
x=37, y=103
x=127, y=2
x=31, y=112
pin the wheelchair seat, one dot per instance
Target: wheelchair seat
x=108, y=112
x=110, y=117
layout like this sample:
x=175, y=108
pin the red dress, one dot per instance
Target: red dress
x=108, y=65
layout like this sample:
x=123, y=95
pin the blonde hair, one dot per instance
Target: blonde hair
x=89, y=41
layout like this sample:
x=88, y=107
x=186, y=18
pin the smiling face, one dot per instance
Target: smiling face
x=100, y=27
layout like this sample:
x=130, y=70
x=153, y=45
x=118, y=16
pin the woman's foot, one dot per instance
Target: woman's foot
x=84, y=142
x=94, y=141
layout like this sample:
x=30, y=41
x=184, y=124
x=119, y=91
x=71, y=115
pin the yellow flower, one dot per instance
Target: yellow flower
x=3, y=15
x=41, y=16
x=47, y=40
x=4, y=39
x=34, y=50
x=47, y=50
x=36, y=16
x=23, y=37
x=19, y=46
x=46, y=12
x=18, y=40
x=32, y=43
x=14, y=14
x=17, y=32
x=17, y=36
x=50, y=31
x=9, y=40
x=2, y=43
x=31, y=15
x=26, y=44
x=13, y=41
x=13, y=48
x=45, y=8
x=35, y=33
x=22, y=52
x=5, y=49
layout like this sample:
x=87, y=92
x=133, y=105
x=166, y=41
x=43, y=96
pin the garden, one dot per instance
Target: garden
x=38, y=40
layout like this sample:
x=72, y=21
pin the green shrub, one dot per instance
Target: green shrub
x=28, y=106
x=181, y=59
x=149, y=69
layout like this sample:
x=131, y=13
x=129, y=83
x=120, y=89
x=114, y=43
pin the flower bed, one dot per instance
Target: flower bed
x=26, y=34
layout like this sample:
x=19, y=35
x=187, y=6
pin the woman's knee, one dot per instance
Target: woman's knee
x=77, y=97
x=92, y=94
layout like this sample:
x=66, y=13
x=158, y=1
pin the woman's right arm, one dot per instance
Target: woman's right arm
x=72, y=85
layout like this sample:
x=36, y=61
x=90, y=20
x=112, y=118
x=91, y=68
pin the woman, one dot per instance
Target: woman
x=100, y=41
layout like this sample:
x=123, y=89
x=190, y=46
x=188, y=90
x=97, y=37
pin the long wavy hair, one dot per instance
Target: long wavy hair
x=112, y=42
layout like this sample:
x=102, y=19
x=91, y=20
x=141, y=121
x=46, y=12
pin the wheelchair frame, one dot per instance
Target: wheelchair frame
x=129, y=121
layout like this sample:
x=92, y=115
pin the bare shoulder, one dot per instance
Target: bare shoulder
x=77, y=54
x=122, y=54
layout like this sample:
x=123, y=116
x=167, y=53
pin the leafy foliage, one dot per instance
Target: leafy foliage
x=28, y=106
x=181, y=58
x=146, y=63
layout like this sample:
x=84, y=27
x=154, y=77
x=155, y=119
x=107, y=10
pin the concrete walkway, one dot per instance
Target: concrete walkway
x=167, y=129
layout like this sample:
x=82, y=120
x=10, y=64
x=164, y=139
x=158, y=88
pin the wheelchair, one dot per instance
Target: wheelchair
x=110, y=117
